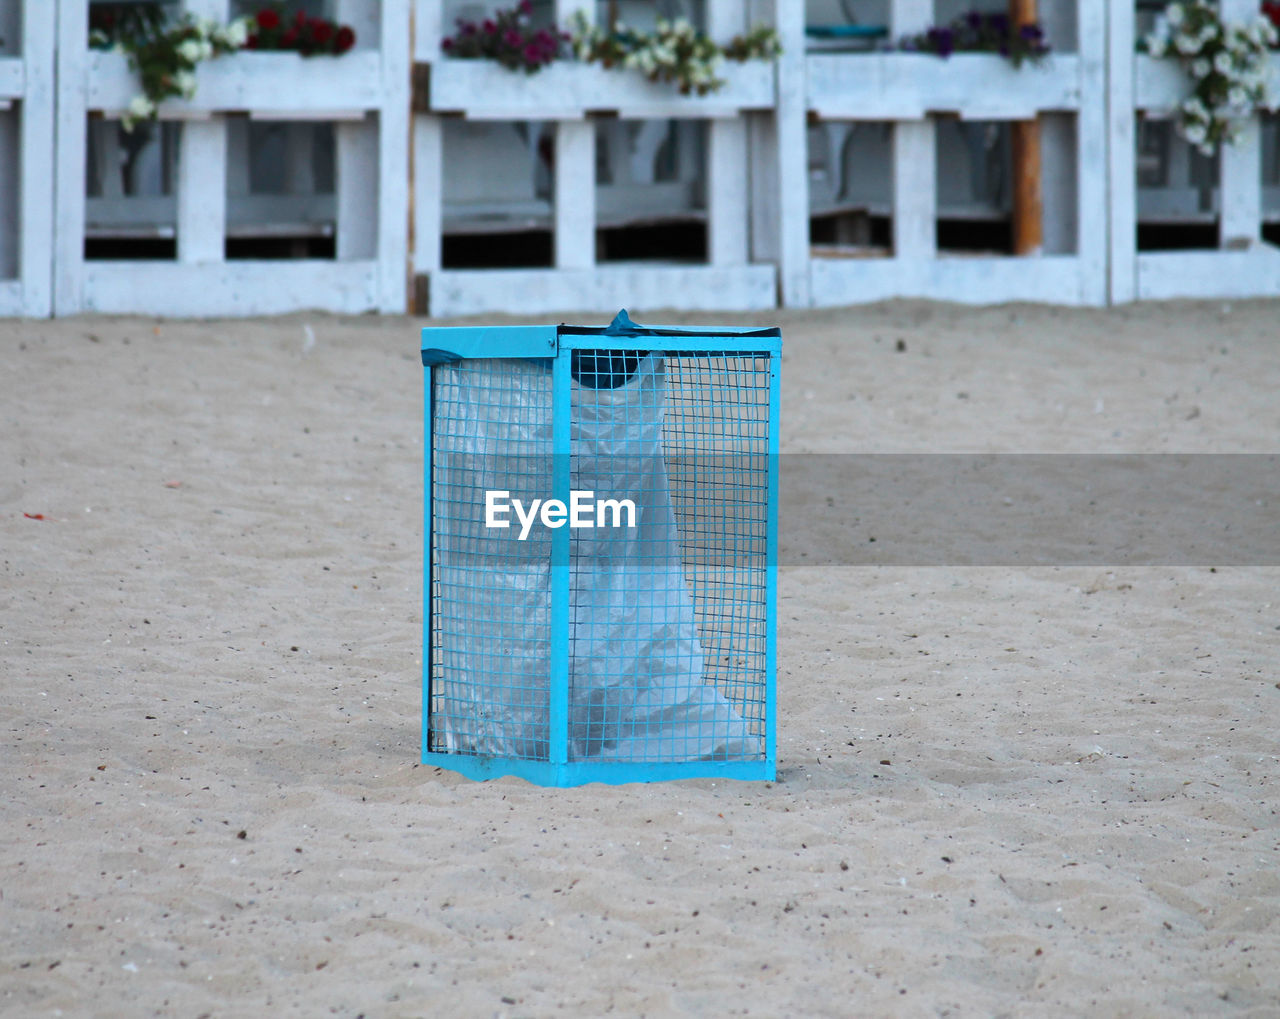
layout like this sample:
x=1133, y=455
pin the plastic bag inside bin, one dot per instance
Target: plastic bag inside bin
x=636, y=665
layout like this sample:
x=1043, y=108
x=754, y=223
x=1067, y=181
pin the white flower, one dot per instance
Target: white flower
x=1195, y=133
x=238, y=33
x=186, y=83
x=1237, y=96
x=1175, y=14
x=1200, y=68
x=1186, y=45
x=1156, y=45
x=1222, y=63
x=189, y=50
x=140, y=108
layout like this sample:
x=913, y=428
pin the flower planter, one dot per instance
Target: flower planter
x=1160, y=84
x=910, y=86
x=484, y=90
x=286, y=84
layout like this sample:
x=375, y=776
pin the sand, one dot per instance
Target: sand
x=1021, y=791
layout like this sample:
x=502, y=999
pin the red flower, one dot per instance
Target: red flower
x=289, y=40
x=345, y=39
x=300, y=19
x=321, y=31
x=1272, y=10
x=268, y=19
x=251, y=43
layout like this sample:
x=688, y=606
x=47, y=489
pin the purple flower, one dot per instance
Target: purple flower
x=532, y=54
x=1030, y=33
x=943, y=40
x=1000, y=23
x=467, y=27
x=974, y=20
x=512, y=37
x=526, y=7
x=489, y=27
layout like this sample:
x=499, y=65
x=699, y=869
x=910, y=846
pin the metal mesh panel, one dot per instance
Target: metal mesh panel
x=716, y=447
x=490, y=592
x=652, y=604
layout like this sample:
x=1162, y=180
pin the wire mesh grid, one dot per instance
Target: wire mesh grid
x=490, y=591
x=666, y=558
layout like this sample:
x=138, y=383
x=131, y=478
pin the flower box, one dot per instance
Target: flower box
x=484, y=90
x=910, y=86
x=1160, y=85
x=268, y=83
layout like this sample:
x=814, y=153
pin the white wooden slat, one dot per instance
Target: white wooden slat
x=13, y=301
x=484, y=90
x=37, y=156
x=574, y=200
x=1240, y=190
x=230, y=289
x=202, y=191
x=603, y=289
x=792, y=157
x=906, y=17
x=965, y=280
x=915, y=190
x=1121, y=210
x=264, y=82
x=428, y=30
x=13, y=78
x=428, y=186
x=202, y=172
x=727, y=192
x=1208, y=274
x=72, y=84
x=908, y=86
x=356, y=186
x=392, y=250
x=726, y=168
x=1092, y=152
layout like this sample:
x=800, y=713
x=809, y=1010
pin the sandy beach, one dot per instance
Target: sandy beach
x=1013, y=791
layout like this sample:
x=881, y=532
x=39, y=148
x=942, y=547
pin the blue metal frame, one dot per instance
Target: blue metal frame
x=545, y=773
x=444, y=345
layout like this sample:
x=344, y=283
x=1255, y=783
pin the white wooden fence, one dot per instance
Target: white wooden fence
x=26, y=157
x=1242, y=264
x=890, y=122
x=567, y=96
x=364, y=93
x=1067, y=92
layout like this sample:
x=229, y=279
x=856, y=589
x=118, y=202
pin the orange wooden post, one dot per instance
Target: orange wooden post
x=1028, y=207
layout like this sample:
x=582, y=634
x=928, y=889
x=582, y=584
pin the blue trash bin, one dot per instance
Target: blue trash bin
x=601, y=537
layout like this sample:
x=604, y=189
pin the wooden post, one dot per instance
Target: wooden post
x=1028, y=212
x=574, y=178
x=726, y=180
x=69, y=204
x=1240, y=174
x=915, y=158
x=202, y=172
